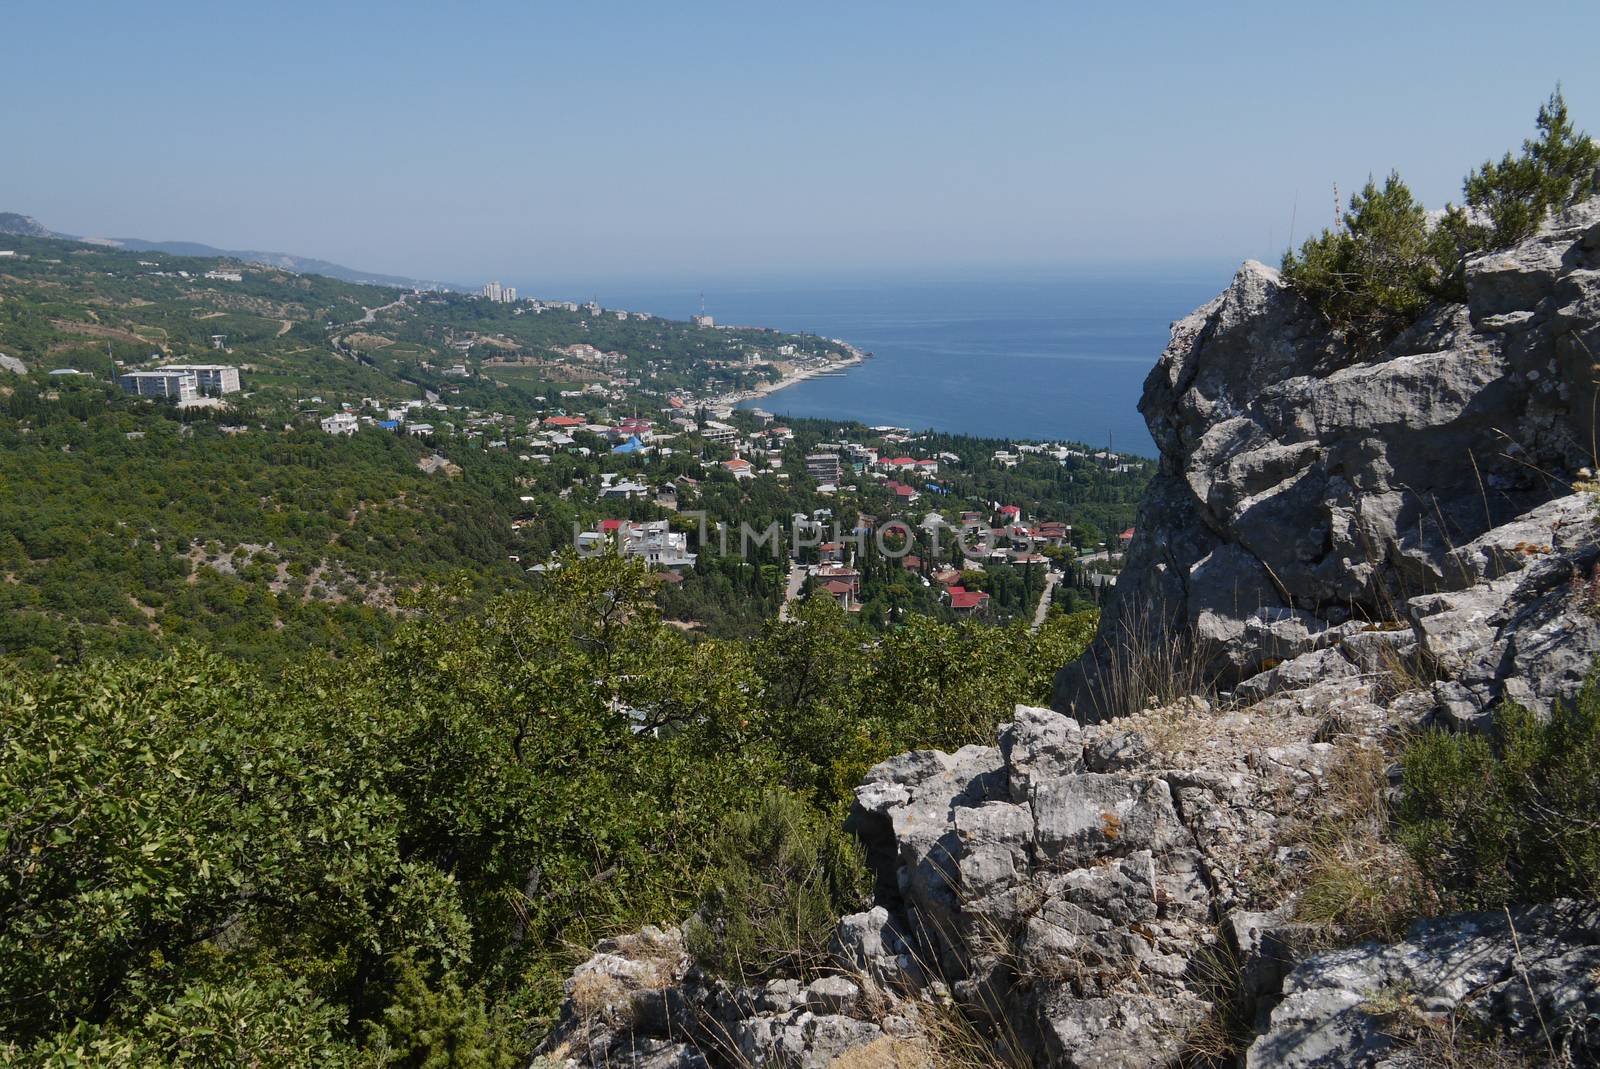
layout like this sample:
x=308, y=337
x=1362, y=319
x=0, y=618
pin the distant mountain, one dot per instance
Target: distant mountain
x=27, y=226
x=23, y=226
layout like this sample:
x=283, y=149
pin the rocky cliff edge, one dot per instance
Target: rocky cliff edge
x=1340, y=548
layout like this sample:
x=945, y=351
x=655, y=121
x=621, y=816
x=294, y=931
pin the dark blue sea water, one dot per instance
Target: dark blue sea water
x=1031, y=356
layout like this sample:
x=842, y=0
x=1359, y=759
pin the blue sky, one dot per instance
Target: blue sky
x=582, y=143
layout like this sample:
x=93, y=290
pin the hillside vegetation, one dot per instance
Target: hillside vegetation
x=1388, y=260
x=393, y=861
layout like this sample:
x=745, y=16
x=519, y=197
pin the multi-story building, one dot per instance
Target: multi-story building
x=656, y=543
x=719, y=433
x=824, y=467
x=178, y=385
x=214, y=380
x=653, y=542
x=493, y=291
x=341, y=423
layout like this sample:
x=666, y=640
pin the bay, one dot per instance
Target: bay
x=1024, y=356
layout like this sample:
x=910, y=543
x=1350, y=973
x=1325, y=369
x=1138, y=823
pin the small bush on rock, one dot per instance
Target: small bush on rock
x=1380, y=270
x=788, y=874
x=1513, y=819
x=1556, y=169
x=1387, y=261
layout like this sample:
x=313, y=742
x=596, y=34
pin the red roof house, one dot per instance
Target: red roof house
x=967, y=601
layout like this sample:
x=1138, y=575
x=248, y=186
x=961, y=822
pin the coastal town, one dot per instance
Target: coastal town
x=593, y=430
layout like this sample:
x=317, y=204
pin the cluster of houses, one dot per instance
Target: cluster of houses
x=400, y=418
x=1063, y=454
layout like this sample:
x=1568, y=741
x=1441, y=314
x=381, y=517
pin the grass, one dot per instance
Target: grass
x=1447, y=1040
x=1149, y=664
x=1222, y=1037
x=1359, y=883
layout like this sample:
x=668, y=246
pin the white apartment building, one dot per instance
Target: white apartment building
x=341, y=423
x=214, y=380
x=824, y=467
x=719, y=433
x=178, y=385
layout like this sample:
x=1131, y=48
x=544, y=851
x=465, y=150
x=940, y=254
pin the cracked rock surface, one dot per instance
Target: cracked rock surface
x=1303, y=486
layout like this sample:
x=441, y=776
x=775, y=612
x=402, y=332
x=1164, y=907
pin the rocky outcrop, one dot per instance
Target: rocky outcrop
x=1068, y=892
x=1528, y=975
x=1352, y=547
x=1306, y=492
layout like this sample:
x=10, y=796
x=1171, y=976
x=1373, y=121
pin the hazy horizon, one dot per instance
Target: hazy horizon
x=561, y=150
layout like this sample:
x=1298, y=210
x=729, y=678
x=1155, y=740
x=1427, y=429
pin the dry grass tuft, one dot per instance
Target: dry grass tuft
x=1446, y=1040
x=594, y=993
x=1358, y=883
x=1221, y=1038
x=887, y=1053
x=1151, y=664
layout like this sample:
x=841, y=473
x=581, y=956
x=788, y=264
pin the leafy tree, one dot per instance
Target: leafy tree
x=388, y=860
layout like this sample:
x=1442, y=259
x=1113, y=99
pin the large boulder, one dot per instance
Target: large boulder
x=1303, y=486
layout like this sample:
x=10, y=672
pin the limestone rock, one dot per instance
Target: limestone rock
x=1303, y=486
x=1335, y=1004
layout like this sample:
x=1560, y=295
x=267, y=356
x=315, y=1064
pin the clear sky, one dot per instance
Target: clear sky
x=552, y=144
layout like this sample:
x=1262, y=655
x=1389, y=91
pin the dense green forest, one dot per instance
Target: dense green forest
x=205, y=861
x=125, y=526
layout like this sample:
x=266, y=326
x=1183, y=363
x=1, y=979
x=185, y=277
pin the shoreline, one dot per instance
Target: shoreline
x=733, y=400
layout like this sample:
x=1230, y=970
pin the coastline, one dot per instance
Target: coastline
x=794, y=377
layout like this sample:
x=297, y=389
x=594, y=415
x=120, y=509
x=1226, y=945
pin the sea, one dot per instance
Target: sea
x=1039, y=355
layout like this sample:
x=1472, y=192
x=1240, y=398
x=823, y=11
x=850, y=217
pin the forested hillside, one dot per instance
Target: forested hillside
x=393, y=862
x=129, y=525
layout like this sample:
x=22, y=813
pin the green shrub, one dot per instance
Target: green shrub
x=1512, y=819
x=1386, y=262
x=788, y=875
x=436, y=1026
x=1378, y=272
x=1555, y=170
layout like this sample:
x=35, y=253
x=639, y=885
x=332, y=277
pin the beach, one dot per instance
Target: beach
x=791, y=377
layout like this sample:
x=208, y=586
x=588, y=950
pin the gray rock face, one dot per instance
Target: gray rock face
x=1302, y=486
x=1062, y=890
x=1526, y=974
x=1353, y=547
x=1066, y=885
x=1082, y=925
